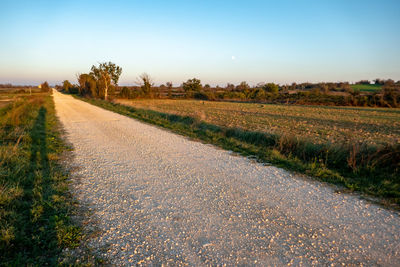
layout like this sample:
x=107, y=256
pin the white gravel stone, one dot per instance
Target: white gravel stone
x=160, y=198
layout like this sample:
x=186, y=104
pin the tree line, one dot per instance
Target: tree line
x=102, y=82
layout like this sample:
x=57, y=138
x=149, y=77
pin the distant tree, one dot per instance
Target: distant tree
x=363, y=82
x=243, y=86
x=271, y=88
x=207, y=86
x=169, y=88
x=389, y=82
x=66, y=86
x=146, y=84
x=258, y=94
x=323, y=87
x=344, y=86
x=285, y=88
x=125, y=92
x=107, y=74
x=44, y=87
x=88, y=85
x=192, y=85
x=230, y=87
x=379, y=81
x=391, y=94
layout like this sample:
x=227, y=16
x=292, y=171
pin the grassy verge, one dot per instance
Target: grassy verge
x=368, y=169
x=35, y=206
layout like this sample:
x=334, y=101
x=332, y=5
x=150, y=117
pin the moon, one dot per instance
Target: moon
x=233, y=57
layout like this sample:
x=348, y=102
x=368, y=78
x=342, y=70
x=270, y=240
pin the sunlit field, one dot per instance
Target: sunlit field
x=316, y=123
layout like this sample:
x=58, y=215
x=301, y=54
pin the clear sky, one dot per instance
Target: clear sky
x=215, y=41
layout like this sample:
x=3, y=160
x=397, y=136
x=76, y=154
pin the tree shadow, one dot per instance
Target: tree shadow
x=36, y=242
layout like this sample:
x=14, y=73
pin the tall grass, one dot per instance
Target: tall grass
x=373, y=170
x=35, y=206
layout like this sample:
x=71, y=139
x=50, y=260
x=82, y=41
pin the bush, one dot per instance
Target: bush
x=125, y=92
x=44, y=87
x=271, y=88
x=192, y=85
x=203, y=96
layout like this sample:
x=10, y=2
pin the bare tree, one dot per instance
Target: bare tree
x=146, y=84
x=169, y=88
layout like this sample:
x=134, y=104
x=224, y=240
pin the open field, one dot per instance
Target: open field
x=9, y=95
x=34, y=202
x=5, y=102
x=316, y=123
x=366, y=87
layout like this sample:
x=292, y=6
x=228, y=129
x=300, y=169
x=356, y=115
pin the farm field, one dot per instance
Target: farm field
x=10, y=95
x=366, y=87
x=319, y=124
x=5, y=102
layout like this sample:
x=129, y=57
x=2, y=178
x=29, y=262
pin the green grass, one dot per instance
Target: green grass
x=372, y=170
x=366, y=87
x=35, y=206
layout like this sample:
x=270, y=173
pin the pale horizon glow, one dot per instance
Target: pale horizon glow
x=215, y=41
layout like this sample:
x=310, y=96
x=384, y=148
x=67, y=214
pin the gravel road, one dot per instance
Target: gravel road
x=160, y=198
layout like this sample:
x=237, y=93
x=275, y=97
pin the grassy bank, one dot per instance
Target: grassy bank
x=371, y=169
x=35, y=206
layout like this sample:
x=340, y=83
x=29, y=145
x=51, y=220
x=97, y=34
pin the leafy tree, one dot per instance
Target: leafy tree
x=66, y=86
x=44, y=87
x=391, y=94
x=192, y=85
x=271, y=88
x=258, y=94
x=107, y=74
x=243, y=86
x=87, y=85
x=125, y=92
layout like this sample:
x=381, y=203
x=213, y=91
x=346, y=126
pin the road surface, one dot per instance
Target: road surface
x=160, y=198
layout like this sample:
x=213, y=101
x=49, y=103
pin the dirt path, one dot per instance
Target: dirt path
x=161, y=198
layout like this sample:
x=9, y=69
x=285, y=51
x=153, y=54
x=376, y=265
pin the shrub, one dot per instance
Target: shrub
x=271, y=88
x=125, y=92
x=192, y=85
x=44, y=87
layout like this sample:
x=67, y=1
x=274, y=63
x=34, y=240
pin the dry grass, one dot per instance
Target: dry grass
x=319, y=124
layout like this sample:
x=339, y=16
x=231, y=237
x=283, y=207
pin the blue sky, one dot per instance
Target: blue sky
x=215, y=41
